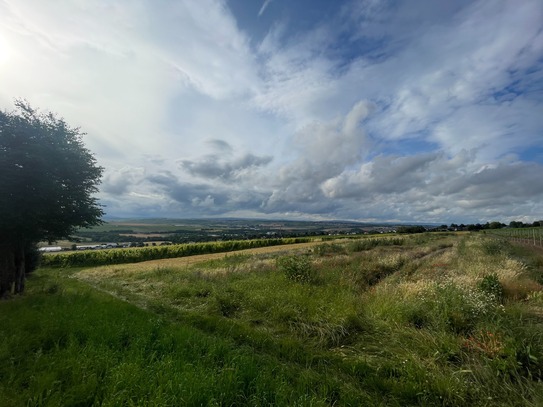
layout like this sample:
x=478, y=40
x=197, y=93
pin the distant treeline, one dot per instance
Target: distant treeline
x=187, y=236
x=411, y=229
x=488, y=225
x=179, y=237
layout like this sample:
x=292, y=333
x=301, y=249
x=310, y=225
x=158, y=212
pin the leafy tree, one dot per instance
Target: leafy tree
x=496, y=225
x=411, y=229
x=47, y=178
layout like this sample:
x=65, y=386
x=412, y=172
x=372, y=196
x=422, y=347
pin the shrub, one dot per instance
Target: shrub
x=490, y=284
x=329, y=249
x=494, y=247
x=368, y=244
x=451, y=307
x=296, y=268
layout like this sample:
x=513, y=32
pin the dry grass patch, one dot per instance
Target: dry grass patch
x=183, y=262
x=521, y=288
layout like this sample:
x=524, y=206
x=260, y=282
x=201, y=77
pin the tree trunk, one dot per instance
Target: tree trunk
x=12, y=270
x=20, y=270
x=7, y=271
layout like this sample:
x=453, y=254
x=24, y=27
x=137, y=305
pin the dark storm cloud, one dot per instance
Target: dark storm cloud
x=206, y=198
x=214, y=167
x=119, y=182
x=220, y=145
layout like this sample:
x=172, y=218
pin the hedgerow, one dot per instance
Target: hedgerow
x=139, y=254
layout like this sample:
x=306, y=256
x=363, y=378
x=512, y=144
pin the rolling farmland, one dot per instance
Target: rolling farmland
x=451, y=319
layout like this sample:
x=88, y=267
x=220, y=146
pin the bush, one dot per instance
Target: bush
x=296, y=268
x=490, y=284
x=330, y=249
x=447, y=306
x=368, y=244
x=494, y=247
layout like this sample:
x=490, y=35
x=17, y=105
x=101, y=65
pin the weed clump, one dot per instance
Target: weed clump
x=368, y=244
x=490, y=285
x=330, y=249
x=450, y=307
x=228, y=303
x=297, y=268
x=495, y=247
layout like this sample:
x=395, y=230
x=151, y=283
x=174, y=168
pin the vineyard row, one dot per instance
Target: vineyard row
x=134, y=255
x=533, y=236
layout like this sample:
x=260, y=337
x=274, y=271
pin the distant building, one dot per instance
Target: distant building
x=89, y=247
x=48, y=249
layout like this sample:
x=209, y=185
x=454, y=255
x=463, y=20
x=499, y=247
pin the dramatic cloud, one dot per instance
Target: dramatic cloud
x=323, y=150
x=214, y=167
x=371, y=110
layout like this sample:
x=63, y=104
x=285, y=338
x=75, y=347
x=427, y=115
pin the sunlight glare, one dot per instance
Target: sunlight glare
x=4, y=51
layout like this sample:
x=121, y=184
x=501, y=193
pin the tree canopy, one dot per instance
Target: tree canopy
x=47, y=182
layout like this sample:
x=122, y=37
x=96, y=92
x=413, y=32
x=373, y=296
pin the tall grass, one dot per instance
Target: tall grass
x=430, y=320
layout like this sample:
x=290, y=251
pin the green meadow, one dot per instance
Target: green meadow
x=440, y=319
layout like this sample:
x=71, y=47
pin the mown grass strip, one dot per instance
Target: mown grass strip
x=66, y=344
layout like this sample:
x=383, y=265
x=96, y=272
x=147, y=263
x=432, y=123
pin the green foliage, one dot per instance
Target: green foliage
x=411, y=229
x=47, y=179
x=490, y=284
x=329, y=249
x=495, y=247
x=446, y=306
x=495, y=225
x=368, y=244
x=297, y=268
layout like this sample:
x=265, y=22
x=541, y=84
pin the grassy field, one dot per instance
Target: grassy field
x=433, y=319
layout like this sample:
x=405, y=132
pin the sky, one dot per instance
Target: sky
x=369, y=110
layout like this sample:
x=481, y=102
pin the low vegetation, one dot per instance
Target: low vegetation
x=430, y=319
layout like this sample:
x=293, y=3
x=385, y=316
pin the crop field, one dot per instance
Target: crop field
x=446, y=319
x=178, y=231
